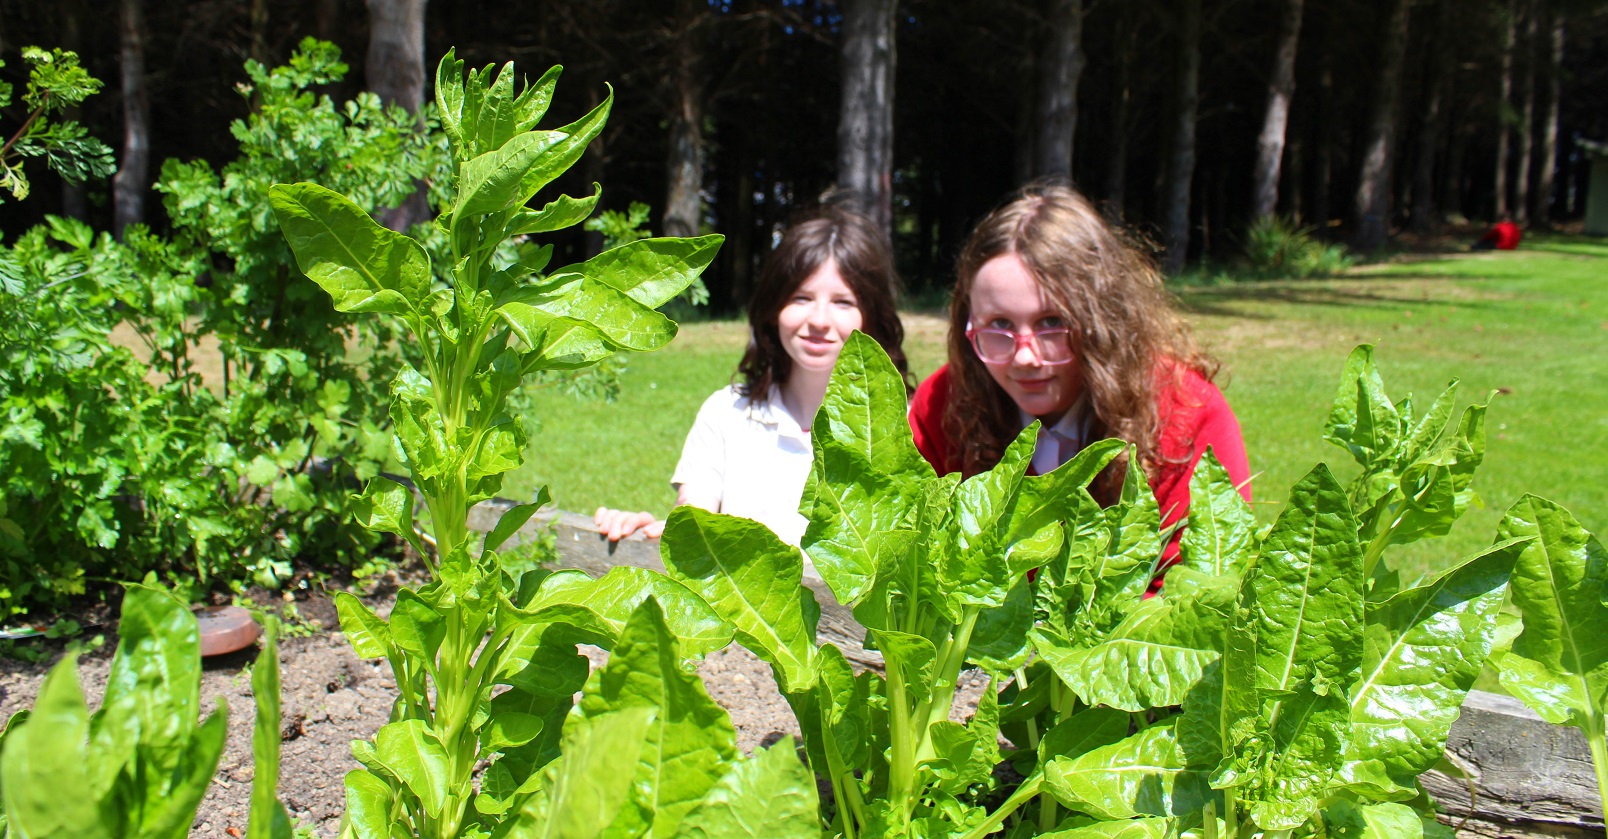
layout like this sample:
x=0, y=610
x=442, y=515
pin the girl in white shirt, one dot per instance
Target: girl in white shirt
x=748, y=453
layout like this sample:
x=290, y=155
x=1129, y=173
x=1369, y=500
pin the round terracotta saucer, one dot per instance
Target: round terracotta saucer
x=226, y=629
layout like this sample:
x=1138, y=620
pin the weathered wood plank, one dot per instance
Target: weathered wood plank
x=1532, y=778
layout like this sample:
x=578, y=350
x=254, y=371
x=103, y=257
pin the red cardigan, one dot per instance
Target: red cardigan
x=1193, y=415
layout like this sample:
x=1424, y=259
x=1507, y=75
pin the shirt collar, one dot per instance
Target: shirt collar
x=1071, y=424
x=773, y=413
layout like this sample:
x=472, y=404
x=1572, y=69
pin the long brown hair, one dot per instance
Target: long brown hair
x=1126, y=333
x=863, y=261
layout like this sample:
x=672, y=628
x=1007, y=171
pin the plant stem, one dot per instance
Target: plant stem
x=847, y=813
x=1595, y=736
x=1022, y=795
x=1376, y=548
x=902, y=757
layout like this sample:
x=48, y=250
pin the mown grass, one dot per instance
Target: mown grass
x=1531, y=324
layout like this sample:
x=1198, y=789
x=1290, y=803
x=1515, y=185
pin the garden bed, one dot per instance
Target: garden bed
x=1534, y=780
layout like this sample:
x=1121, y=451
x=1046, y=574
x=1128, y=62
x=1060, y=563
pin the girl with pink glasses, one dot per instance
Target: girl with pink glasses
x=1055, y=317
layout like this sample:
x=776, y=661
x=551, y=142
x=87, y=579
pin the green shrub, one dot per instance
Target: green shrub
x=1277, y=247
x=114, y=462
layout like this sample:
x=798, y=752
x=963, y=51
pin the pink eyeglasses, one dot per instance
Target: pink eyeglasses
x=999, y=346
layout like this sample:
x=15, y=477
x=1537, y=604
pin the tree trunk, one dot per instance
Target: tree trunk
x=1280, y=89
x=1425, y=213
x=326, y=19
x=74, y=200
x=1541, y=214
x=1059, y=70
x=1509, y=41
x=1521, y=183
x=1371, y=209
x=1116, y=169
x=740, y=236
x=128, y=187
x=259, y=33
x=683, y=203
x=865, y=129
x=394, y=70
x=1323, y=188
x=1182, y=171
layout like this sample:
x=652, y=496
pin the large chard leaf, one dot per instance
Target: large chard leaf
x=751, y=578
x=621, y=321
x=1422, y=650
x=140, y=765
x=1293, y=652
x=492, y=182
x=771, y=796
x=865, y=464
x=1349, y=820
x=650, y=272
x=1046, y=499
x=1154, y=657
x=48, y=755
x=363, y=266
x=1141, y=776
x=970, y=571
x=599, y=608
x=1220, y=537
x=1559, y=663
x=584, y=792
x=689, y=739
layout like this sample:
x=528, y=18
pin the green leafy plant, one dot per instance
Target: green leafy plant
x=298, y=422
x=55, y=82
x=498, y=315
x=122, y=457
x=1273, y=688
x=690, y=779
x=1277, y=247
x=620, y=228
x=1279, y=681
x=1557, y=662
x=140, y=764
x=1416, y=468
x=935, y=568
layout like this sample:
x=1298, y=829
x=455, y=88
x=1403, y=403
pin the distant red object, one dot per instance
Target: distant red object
x=1503, y=236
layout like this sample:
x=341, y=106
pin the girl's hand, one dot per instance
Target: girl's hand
x=618, y=524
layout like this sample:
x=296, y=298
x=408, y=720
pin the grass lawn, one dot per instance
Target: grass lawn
x=1531, y=324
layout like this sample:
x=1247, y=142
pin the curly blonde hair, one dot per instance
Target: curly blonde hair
x=1125, y=331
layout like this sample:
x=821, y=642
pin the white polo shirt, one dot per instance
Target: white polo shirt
x=754, y=455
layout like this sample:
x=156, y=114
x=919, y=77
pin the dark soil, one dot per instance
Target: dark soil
x=330, y=697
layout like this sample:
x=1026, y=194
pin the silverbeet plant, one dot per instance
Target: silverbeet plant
x=140, y=764
x=485, y=655
x=1277, y=687
x=1283, y=684
x=936, y=569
